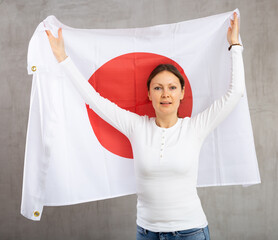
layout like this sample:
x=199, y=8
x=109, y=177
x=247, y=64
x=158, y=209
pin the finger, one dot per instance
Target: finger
x=232, y=22
x=49, y=34
x=236, y=23
x=235, y=17
x=60, y=33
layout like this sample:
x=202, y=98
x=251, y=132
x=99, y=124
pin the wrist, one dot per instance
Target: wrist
x=233, y=44
x=61, y=58
x=233, y=40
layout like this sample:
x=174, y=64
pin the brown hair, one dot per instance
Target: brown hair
x=165, y=67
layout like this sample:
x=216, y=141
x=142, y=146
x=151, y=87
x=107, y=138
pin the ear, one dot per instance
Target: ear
x=149, y=96
x=183, y=90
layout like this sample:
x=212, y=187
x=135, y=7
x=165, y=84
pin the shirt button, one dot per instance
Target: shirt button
x=163, y=137
x=162, y=143
x=161, y=155
x=34, y=68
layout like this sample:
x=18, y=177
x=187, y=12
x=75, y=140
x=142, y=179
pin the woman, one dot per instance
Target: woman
x=165, y=148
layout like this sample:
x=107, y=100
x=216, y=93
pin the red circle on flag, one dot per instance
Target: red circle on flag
x=123, y=81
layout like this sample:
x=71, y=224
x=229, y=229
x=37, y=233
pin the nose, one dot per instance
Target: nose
x=165, y=93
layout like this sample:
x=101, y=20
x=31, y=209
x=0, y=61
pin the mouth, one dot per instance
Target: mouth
x=165, y=103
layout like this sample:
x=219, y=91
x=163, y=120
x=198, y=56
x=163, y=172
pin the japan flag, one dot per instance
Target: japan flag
x=72, y=155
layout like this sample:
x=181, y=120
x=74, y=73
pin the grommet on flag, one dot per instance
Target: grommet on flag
x=34, y=68
x=36, y=214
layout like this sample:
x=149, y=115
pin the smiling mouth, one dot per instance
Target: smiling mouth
x=165, y=103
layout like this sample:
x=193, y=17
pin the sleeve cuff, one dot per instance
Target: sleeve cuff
x=65, y=61
x=237, y=48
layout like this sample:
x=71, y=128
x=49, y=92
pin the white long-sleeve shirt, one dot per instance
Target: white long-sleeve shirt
x=165, y=159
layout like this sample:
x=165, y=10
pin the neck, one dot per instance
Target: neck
x=166, y=121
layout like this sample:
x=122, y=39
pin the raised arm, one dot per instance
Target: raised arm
x=210, y=118
x=207, y=120
x=123, y=120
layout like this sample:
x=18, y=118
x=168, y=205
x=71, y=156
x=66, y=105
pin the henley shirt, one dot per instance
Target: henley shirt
x=165, y=159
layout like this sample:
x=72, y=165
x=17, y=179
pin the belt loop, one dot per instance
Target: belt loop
x=174, y=233
x=145, y=231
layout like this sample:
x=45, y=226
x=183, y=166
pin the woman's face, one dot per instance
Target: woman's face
x=165, y=93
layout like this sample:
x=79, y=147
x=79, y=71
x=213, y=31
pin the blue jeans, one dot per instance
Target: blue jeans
x=189, y=234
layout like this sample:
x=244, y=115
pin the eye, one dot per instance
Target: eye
x=173, y=87
x=156, y=88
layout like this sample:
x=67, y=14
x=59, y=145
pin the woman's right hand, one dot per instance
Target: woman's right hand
x=57, y=45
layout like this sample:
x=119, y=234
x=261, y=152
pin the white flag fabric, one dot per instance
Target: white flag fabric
x=73, y=156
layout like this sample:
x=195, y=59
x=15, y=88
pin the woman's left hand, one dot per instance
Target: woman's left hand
x=233, y=31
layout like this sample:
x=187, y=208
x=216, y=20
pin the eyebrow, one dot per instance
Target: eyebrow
x=162, y=84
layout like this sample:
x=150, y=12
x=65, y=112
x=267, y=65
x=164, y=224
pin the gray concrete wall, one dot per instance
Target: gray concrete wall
x=233, y=212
